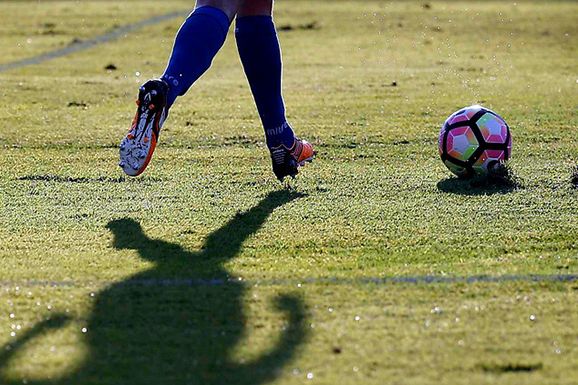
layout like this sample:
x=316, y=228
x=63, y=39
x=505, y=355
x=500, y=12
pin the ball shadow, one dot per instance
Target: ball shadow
x=477, y=186
x=500, y=179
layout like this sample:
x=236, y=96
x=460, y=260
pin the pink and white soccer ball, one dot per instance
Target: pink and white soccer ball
x=473, y=140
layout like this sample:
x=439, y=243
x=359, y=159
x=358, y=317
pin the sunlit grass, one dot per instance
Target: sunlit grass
x=369, y=86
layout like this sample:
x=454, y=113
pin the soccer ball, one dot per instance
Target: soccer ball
x=473, y=141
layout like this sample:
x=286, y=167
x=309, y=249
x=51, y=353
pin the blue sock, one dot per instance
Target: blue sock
x=199, y=39
x=261, y=57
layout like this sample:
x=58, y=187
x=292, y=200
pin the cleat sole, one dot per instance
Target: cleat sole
x=137, y=148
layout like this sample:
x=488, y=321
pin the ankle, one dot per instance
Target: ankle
x=280, y=135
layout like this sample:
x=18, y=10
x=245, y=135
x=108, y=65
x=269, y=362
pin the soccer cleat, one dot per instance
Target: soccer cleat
x=137, y=147
x=287, y=161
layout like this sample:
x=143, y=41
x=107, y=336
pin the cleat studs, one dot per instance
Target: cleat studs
x=121, y=164
x=130, y=136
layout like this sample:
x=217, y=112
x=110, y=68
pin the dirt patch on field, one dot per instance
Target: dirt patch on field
x=303, y=27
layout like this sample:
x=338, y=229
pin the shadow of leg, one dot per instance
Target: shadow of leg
x=226, y=242
x=7, y=352
x=266, y=368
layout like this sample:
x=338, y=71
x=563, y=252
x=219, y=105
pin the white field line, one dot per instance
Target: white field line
x=86, y=44
x=386, y=280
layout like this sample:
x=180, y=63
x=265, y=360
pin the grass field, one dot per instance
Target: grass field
x=376, y=267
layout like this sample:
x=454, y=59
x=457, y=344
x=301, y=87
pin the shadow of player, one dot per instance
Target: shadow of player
x=177, y=323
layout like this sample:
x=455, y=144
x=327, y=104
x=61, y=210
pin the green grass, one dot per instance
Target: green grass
x=95, y=268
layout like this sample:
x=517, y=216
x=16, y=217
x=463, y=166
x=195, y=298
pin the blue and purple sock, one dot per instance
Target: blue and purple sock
x=261, y=57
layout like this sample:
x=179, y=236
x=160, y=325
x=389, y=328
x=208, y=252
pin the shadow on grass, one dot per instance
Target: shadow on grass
x=500, y=181
x=574, y=179
x=143, y=333
x=69, y=179
x=474, y=187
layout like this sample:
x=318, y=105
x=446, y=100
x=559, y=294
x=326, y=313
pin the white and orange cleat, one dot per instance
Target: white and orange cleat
x=137, y=147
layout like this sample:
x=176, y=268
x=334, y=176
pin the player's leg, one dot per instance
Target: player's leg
x=260, y=54
x=199, y=39
x=197, y=42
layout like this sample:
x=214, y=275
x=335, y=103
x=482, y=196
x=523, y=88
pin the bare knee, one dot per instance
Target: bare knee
x=230, y=7
x=256, y=8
